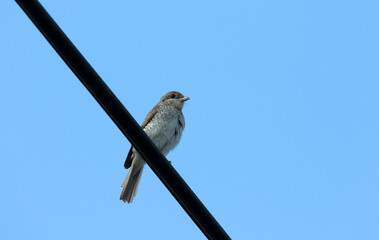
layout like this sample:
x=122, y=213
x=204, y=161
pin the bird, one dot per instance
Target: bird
x=164, y=124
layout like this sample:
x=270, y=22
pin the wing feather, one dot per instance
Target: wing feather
x=150, y=115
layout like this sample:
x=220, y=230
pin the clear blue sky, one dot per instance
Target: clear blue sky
x=282, y=129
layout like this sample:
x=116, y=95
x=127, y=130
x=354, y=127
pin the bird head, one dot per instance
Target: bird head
x=174, y=98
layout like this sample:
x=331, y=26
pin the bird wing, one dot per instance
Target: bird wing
x=150, y=115
x=129, y=158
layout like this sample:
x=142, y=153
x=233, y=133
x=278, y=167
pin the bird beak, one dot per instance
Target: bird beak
x=183, y=99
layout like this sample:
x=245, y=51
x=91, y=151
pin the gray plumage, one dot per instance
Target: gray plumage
x=164, y=125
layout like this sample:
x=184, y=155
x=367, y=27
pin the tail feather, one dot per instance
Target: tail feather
x=130, y=183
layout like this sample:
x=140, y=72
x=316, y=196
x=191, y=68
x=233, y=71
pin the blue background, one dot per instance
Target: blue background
x=282, y=131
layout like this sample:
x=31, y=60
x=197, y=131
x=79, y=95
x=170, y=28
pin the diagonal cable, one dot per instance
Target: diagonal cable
x=124, y=121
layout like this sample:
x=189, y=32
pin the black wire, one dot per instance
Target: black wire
x=124, y=121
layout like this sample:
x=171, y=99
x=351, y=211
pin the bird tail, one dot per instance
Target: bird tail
x=130, y=184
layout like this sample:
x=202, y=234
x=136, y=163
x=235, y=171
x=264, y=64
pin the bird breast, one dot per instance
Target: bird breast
x=165, y=128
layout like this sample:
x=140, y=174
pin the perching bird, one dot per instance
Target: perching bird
x=164, y=124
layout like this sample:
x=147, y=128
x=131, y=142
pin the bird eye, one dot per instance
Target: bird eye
x=172, y=96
